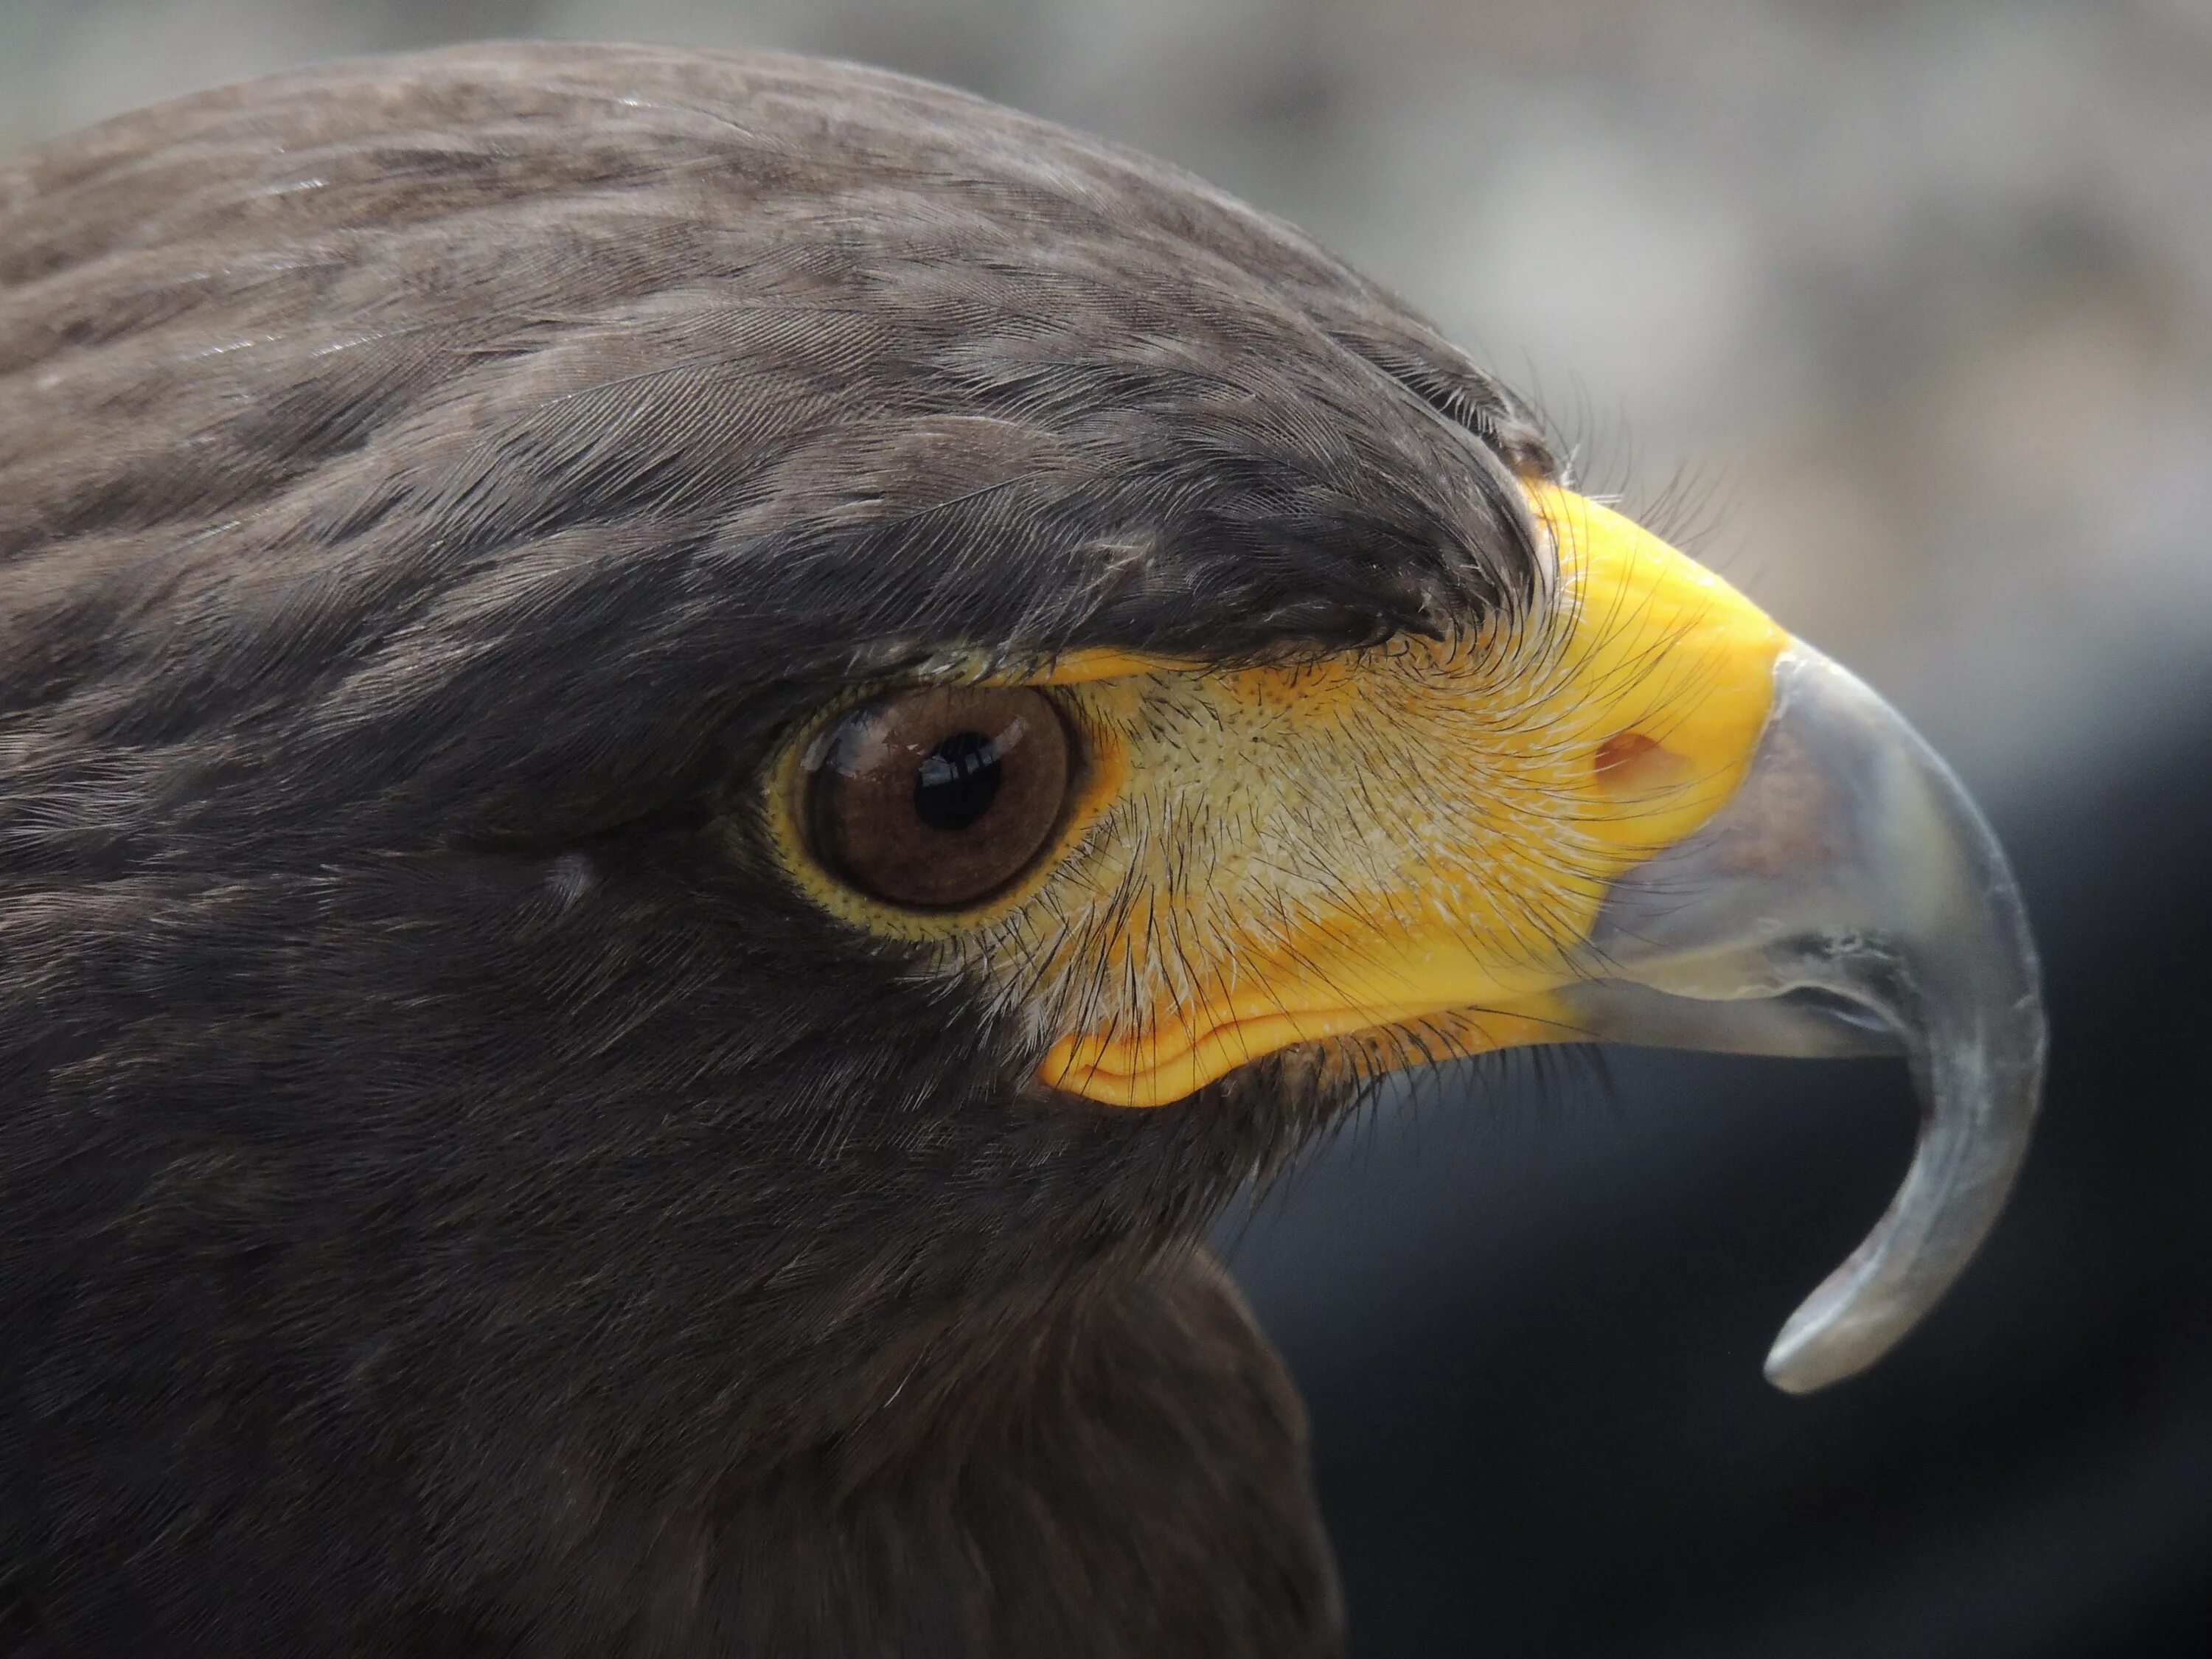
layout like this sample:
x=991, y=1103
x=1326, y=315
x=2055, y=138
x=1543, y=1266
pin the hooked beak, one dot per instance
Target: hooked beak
x=1848, y=900
x=1770, y=861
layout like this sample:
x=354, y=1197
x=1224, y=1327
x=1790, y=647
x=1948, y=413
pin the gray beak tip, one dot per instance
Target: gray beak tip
x=1812, y=1353
x=1849, y=899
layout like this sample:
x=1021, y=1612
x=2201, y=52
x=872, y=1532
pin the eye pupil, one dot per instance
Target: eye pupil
x=958, y=780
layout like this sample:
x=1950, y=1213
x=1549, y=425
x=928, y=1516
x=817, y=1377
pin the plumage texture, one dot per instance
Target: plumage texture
x=457, y=1198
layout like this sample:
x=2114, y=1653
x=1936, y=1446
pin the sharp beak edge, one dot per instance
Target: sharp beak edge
x=1848, y=899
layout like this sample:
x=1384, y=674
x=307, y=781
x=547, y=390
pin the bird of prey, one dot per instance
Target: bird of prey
x=695, y=749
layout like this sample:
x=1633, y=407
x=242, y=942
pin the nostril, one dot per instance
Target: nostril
x=1630, y=762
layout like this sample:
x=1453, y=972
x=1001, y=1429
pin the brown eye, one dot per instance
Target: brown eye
x=936, y=799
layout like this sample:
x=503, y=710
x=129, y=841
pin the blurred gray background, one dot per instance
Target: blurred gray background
x=1901, y=314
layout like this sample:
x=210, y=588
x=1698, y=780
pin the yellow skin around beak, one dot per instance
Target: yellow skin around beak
x=1414, y=840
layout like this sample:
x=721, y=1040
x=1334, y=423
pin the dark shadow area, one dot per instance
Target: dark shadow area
x=1528, y=1313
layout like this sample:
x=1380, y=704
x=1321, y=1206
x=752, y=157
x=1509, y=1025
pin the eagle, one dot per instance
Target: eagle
x=697, y=748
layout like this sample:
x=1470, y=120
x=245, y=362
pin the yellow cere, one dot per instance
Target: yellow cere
x=1408, y=843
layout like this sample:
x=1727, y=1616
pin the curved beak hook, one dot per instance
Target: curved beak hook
x=1848, y=899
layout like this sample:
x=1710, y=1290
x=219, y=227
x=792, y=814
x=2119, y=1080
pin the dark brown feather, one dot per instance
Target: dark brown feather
x=457, y=1198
